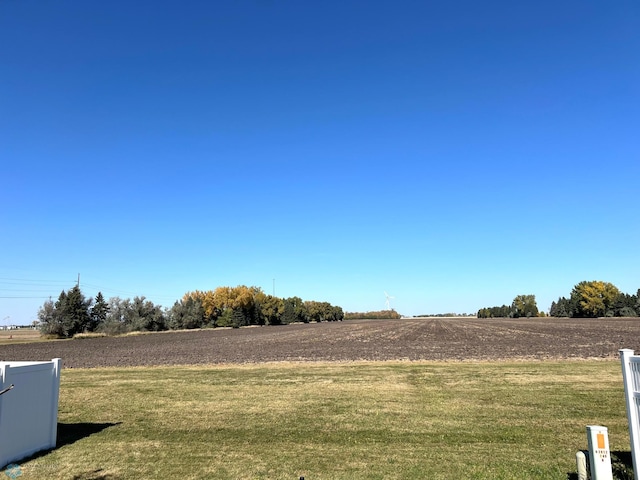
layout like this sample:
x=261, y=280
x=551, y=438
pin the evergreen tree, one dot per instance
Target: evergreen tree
x=99, y=312
x=561, y=308
x=68, y=316
x=75, y=312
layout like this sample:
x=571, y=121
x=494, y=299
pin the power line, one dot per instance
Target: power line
x=48, y=296
x=35, y=283
x=38, y=286
x=122, y=292
x=22, y=290
x=28, y=288
x=31, y=280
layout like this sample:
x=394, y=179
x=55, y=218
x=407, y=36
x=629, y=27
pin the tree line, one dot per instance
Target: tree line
x=521, y=306
x=377, y=315
x=239, y=306
x=588, y=299
x=596, y=299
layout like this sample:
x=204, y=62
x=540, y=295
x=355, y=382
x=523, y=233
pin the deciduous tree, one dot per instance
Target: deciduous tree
x=593, y=299
x=524, y=306
x=187, y=313
x=271, y=309
x=295, y=310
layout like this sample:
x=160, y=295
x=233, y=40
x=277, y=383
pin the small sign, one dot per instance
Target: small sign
x=599, y=455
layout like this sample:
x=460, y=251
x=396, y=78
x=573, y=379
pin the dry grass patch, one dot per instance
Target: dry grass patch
x=21, y=335
x=90, y=335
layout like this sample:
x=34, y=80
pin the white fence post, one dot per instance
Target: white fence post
x=55, y=399
x=631, y=380
x=29, y=411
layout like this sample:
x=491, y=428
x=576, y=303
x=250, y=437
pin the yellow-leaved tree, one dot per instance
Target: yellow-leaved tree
x=593, y=299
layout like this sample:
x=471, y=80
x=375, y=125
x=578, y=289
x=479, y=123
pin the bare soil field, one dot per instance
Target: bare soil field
x=442, y=339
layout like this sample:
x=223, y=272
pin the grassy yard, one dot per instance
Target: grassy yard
x=513, y=420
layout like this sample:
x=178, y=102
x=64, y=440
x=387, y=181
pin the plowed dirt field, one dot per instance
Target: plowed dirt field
x=406, y=339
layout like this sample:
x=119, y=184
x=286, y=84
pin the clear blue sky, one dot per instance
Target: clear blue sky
x=454, y=154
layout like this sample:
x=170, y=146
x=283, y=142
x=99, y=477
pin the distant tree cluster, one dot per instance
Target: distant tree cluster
x=588, y=299
x=596, y=299
x=522, y=306
x=238, y=306
x=441, y=315
x=379, y=315
x=242, y=306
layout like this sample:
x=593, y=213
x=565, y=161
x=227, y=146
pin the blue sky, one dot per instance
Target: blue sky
x=454, y=154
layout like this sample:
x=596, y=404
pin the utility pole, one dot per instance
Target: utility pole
x=78, y=280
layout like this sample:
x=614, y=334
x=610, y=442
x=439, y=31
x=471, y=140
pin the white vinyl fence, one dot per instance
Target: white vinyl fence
x=29, y=411
x=631, y=379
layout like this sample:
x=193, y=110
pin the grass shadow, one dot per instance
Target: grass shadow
x=621, y=466
x=69, y=433
x=95, y=475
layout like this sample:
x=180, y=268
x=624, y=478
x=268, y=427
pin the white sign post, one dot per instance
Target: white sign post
x=599, y=454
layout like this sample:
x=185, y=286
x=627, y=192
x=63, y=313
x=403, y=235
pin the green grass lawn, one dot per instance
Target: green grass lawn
x=512, y=420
